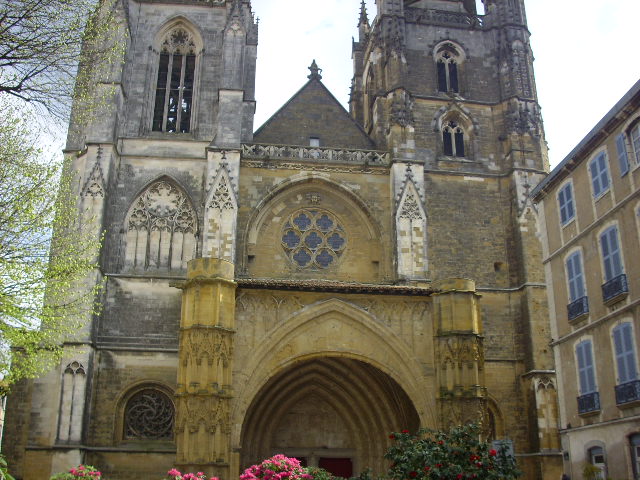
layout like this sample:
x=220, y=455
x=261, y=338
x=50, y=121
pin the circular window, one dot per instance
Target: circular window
x=149, y=415
x=313, y=239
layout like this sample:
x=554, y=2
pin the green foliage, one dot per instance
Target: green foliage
x=591, y=472
x=46, y=255
x=41, y=45
x=4, y=469
x=457, y=454
x=320, y=473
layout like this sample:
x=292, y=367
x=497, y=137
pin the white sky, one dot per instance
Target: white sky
x=586, y=56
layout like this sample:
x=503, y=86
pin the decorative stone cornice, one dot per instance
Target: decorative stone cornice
x=316, y=154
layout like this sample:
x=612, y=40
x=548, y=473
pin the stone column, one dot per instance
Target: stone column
x=459, y=353
x=203, y=395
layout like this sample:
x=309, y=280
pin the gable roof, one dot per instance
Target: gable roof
x=313, y=112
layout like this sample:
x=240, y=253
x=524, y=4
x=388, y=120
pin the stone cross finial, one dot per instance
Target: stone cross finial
x=364, y=19
x=315, y=71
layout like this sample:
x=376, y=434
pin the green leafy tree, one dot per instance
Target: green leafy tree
x=47, y=256
x=453, y=455
x=41, y=48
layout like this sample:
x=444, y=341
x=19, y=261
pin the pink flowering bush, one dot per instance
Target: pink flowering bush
x=277, y=467
x=85, y=472
x=176, y=475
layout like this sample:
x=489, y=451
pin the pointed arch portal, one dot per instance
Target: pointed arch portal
x=333, y=412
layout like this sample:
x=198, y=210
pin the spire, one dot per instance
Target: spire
x=363, y=14
x=363, y=23
x=315, y=71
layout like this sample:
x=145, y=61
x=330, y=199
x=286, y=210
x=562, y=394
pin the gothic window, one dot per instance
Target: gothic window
x=175, y=83
x=453, y=139
x=447, y=62
x=148, y=415
x=160, y=229
x=74, y=380
x=313, y=239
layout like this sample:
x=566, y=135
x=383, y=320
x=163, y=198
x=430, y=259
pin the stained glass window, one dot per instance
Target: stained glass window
x=313, y=239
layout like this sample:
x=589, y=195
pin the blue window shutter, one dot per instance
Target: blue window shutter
x=623, y=160
x=585, y=368
x=625, y=353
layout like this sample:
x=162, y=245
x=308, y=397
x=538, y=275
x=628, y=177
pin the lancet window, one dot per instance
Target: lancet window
x=447, y=62
x=453, y=139
x=160, y=228
x=175, y=83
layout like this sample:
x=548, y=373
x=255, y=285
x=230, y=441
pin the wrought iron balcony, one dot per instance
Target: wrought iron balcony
x=589, y=403
x=578, y=309
x=628, y=392
x=615, y=289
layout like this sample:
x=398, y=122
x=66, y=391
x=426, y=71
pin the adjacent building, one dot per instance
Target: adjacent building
x=589, y=210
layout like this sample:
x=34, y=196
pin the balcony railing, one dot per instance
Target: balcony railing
x=589, y=403
x=578, y=309
x=615, y=289
x=628, y=392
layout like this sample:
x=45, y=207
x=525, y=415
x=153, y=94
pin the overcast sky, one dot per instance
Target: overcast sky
x=586, y=55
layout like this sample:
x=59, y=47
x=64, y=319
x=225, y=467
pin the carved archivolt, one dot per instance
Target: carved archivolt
x=160, y=228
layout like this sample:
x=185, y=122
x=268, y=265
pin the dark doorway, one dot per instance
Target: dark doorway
x=339, y=467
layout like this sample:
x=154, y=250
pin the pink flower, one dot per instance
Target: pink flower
x=173, y=473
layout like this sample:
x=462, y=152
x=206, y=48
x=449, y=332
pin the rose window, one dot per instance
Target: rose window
x=313, y=239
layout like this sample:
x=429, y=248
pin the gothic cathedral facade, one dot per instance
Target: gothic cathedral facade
x=311, y=286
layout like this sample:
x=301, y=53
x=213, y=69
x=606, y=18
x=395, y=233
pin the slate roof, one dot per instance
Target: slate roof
x=313, y=112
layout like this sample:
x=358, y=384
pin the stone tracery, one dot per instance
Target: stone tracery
x=161, y=228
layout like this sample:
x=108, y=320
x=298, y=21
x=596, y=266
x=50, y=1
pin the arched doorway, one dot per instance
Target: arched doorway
x=332, y=412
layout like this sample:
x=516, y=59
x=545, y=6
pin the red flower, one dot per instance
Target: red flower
x=459, y=476
x=438, y=465
x=413, y=474
x=427, y=468
x=405, y=431
x=392, y=436
x=492, y=453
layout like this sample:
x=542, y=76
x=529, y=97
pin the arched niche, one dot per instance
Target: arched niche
x=266, y=253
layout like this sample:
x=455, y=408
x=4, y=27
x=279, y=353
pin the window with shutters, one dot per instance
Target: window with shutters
x=623, y=343
x=623, y=158
x=565, y=202
x=634, y=136
x=611, y=255
x=586, y=368
x=174, y=92
x=599, y=170
x=575, y=277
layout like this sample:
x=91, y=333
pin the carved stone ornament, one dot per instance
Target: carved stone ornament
x=222, y=196
x=149, y=415
x=179, y=41
x=94, y=186
x=402, y=110
x=162, y=207
x=410, y=208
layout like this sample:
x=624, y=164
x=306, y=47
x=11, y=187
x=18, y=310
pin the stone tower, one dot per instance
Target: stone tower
x=313, y=285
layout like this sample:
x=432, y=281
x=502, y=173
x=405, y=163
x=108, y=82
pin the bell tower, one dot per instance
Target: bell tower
x=451, y=95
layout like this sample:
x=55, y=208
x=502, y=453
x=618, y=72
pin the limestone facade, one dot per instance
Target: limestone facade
x=313, y=285
x=590, y=217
